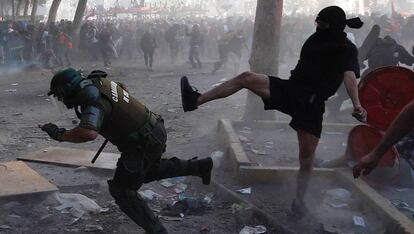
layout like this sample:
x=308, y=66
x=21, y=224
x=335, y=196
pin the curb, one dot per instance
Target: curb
x=396, y=222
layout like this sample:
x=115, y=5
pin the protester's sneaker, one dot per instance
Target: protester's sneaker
x=189, y=95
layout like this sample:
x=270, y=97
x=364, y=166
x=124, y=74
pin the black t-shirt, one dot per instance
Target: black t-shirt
x=323, y=61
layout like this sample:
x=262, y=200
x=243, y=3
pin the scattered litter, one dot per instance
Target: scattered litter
x=149, y=194
x=217, y=157
x=44, y=151
x=40, y=95
x=170, y=218
x=74, y=221
x=331, y=229
x=222, y=80
x=172, y=110
x=45, y=216
x=259, y=229
x=245, y=190
x=246, y=130
x=15, y=84
x=180, y=188
x=401, y=205
x=93, y=228
x=77, y=204
x=5, y=227
x=177, y=180
x=358, y=221
x=337, y=206
x=17, y=114
x=344, y=144
x=338, y=196
x=235, y=207
x=243, y=138
x=204, y=230
x=216, y=84
x=208, y=198
x=257, y=151
x=402, y=189
x=186, y=205
x=11, y=90
x=269, y=144
x=166, y=183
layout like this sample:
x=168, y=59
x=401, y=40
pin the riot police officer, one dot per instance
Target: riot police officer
x=105, y=107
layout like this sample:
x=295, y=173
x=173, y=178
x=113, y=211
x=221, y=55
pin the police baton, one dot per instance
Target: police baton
x=99, y=151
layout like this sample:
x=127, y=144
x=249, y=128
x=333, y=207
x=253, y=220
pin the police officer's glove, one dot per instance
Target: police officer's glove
x=53, y=131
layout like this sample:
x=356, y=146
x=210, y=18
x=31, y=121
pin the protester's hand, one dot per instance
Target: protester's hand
x=53, y=131
x=360, y=113
x=365, y=165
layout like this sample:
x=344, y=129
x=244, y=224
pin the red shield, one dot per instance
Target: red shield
x=361, y=140
x=384, y=93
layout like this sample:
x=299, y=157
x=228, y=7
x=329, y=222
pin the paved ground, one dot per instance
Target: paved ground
x=24, y=105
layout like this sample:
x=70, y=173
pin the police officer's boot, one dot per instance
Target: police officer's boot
x=136, y=208
x=201, y=168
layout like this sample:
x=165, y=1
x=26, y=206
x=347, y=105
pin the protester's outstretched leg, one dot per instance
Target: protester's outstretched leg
x=257, y=83
x=307, y=148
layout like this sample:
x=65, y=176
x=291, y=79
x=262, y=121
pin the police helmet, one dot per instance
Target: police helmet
x=73, y=89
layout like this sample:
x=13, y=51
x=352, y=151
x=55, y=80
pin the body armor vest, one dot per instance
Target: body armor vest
x=127, y=116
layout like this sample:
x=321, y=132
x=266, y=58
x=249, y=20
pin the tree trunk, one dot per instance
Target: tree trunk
x=18, y=8
x=80, y=10
x=53, y=11
x=26, y=7
x=13, y=12
x=34, y=11
x=2, y=9
x=264, y=57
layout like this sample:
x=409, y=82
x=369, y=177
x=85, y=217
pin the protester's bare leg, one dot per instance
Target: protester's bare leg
x=257, y=83
x=307, y=147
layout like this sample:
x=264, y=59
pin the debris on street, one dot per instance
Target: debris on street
x=259, y=229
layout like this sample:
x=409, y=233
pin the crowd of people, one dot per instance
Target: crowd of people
x=191, y=39
x=194, y=40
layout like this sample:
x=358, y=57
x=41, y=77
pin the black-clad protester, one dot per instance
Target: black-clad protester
x=327, y=59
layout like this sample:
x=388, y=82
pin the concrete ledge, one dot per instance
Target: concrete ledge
x=395, y=221
x=327, y=127
x=226, y=132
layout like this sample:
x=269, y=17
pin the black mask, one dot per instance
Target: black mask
x=335, y=18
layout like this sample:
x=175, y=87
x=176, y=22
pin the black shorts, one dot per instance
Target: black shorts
x=305, y=107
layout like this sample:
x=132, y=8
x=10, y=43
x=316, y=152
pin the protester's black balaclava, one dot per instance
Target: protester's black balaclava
x=335, y=20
